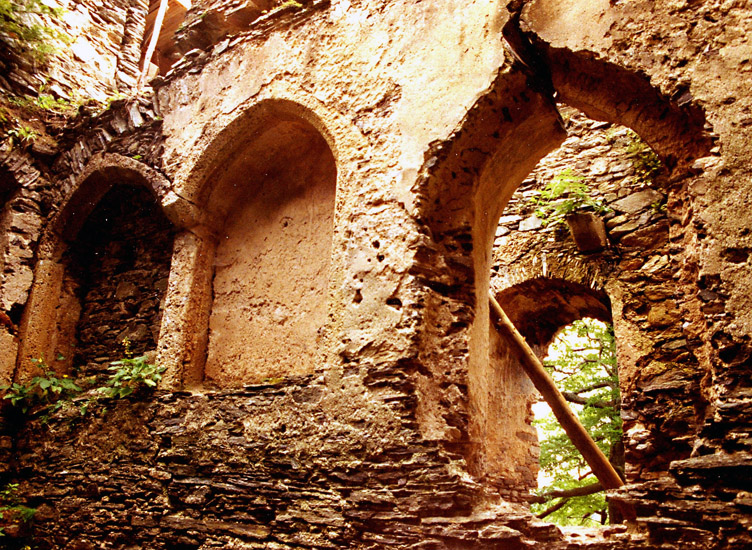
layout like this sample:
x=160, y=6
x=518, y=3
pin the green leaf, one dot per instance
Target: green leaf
x=582, y=361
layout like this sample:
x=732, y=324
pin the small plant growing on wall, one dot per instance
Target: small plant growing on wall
x=644, y=160
x=12, y=511
x=21, y=135
x=568, y=198
x=49, y=389
x=567, y=193
x=130, y=374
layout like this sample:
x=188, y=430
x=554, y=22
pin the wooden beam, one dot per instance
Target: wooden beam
x=152, y=43
x=581, y=439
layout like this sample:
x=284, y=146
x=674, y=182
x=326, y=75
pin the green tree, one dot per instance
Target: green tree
x=582, y=362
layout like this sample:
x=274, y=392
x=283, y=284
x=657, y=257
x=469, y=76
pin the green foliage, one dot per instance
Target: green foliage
x=131, y=373
x=48, y=389
x=21, y=135
x=568, y=192
x=46, y=102
x=645, y=161
x=22, y=31
x=53, y=391
x=582, y=362
x=11, y=508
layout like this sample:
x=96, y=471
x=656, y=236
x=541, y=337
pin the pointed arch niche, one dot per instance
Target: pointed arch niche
x=270, y=197
x=102, y=273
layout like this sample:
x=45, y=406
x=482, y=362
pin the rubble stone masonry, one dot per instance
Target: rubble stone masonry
x=301, y=221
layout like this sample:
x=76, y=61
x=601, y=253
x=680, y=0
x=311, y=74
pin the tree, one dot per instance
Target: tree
x=582, y=362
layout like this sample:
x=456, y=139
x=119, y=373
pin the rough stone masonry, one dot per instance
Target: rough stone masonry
x=301, y=220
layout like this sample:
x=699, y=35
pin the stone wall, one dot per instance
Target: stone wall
x=96, y=59
x=407, y=435
x=298, y=464
x=118, y=268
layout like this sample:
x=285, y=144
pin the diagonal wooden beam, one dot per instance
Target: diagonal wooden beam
x=581, y=439
x=152, y=43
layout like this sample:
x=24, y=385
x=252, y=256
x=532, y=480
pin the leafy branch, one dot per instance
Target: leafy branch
x=568, y=192
x=582, y=361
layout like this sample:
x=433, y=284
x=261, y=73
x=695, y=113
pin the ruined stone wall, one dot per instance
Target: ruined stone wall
x=22, y=210
x=300, y=464
x=96, y=58
x=395, y=441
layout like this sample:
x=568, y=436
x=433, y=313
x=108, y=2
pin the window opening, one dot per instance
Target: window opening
x=164, y=52
x=582, y=361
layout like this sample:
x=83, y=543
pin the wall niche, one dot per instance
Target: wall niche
x=116, y=272
x=271, y=271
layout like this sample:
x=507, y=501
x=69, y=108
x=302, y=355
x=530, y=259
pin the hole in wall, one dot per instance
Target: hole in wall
x=394, y=302
x=582, y=362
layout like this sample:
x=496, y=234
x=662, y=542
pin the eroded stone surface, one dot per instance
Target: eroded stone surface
x=417, y=433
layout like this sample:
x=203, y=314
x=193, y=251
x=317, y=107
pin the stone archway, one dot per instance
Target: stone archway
x=466, y=183
x=103, y=256
x=539, y=308
x=258, y=272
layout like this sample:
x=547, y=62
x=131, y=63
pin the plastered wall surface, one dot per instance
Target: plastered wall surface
x=271, y=268
x=413, y=124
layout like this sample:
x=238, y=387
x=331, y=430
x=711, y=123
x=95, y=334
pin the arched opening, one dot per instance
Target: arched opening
x=619, y=171
x=102, y=272
x=273, y=201
x=539, y=308
x=116, y=273
x=582, y=362
x=467, y=183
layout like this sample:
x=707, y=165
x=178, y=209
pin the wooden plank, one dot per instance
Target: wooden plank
x=581, y=439
x=152, y=43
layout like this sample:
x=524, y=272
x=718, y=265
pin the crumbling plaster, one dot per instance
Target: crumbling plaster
x=431, y=126
x=380, y=109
